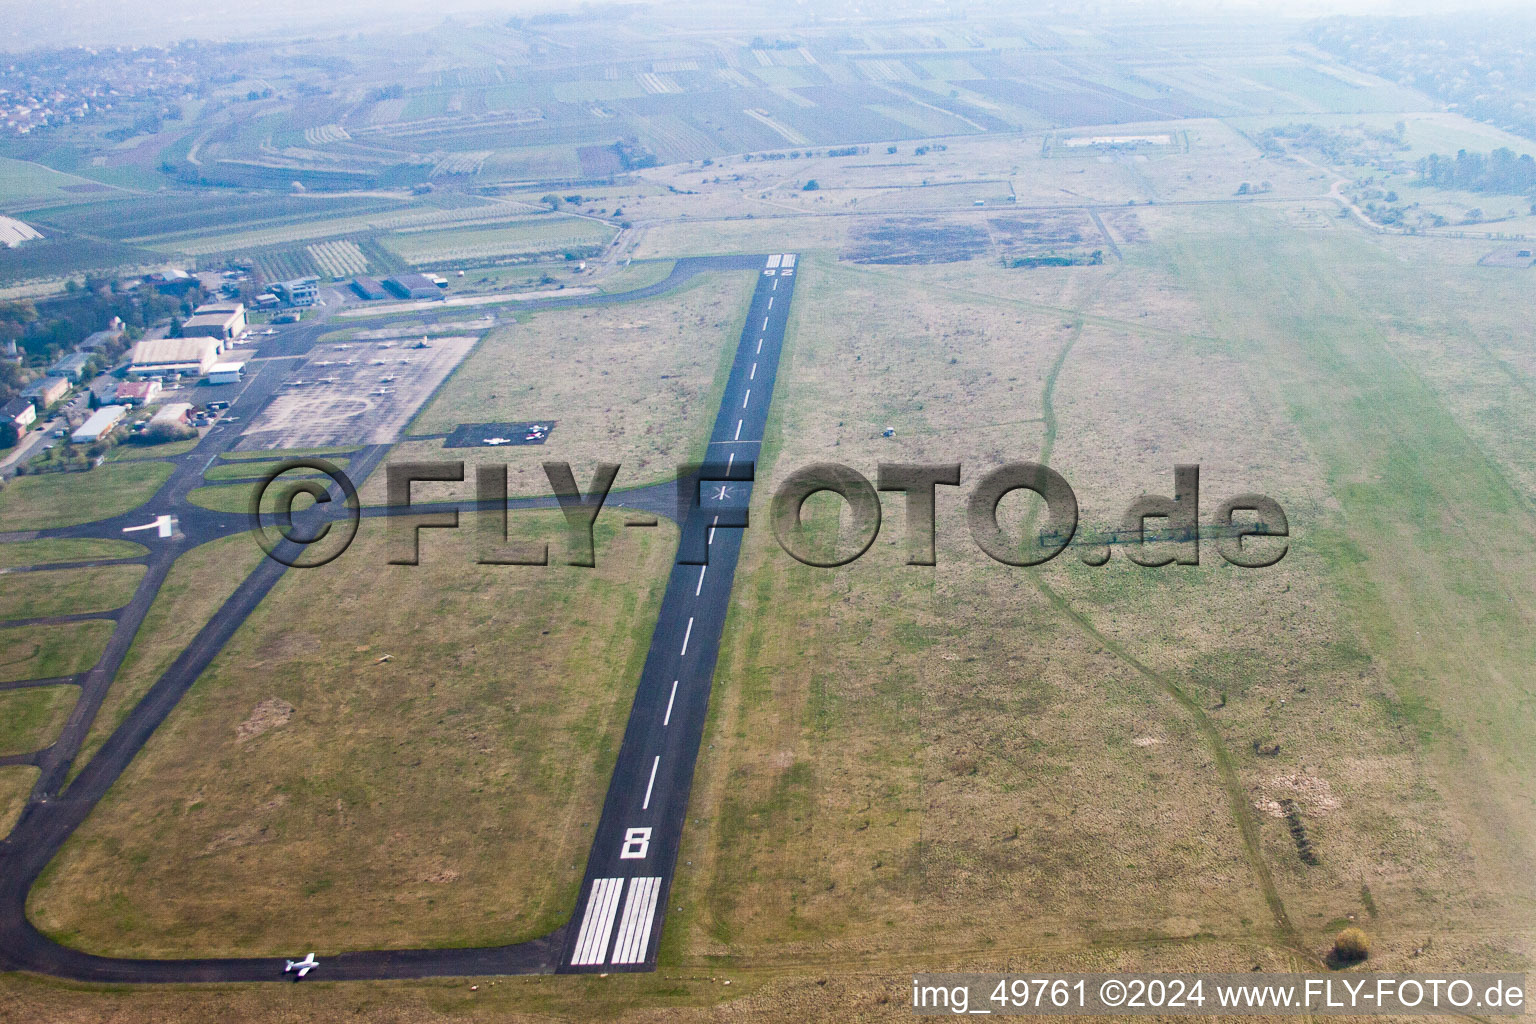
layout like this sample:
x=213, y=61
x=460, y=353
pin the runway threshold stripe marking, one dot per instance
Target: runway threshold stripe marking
x=646, y=805
x=597, y=923
x=639, y=912
x=666, y=720
x=700, y=586
x=686, y=634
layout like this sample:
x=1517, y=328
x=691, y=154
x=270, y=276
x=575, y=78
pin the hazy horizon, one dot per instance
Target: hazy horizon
x=94, y=23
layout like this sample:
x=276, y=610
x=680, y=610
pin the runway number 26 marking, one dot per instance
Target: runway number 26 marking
x=636, y=842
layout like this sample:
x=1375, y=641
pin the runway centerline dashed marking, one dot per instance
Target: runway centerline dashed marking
x=770, y=299
x=759, y=344
x=668, y=717
x=686, y=634
x=646, y=805
x=730, y=461
x=765, y=323
x=753, y=374
x=702, y=570
x=746, y=397
x=738, y=431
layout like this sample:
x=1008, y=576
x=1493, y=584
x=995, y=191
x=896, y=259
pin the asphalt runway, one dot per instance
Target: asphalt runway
x=622, y=906
x=623, y=901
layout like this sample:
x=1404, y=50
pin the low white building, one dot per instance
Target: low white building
x=174, y=413
x=225, y=373
x=174, y=355
x=99, y=425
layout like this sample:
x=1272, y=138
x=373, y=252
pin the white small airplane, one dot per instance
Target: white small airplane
x=165, y=526
x=303, y=967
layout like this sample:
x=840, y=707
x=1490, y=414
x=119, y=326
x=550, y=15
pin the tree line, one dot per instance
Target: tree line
x=1501, y=171
x=46, y=329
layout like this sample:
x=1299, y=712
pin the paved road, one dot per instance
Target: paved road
x=673, y=690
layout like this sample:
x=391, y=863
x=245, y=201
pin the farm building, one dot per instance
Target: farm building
x=45, y=392
x=300, y=292
x=140, y=392
x=71, y=367
x=225, y=373
x=174, y=355
x=369, y=288
x=174, y=413
x=412, y=286
x=99, y=425
x=223, y=321
x=101, y=339
x=172, y=281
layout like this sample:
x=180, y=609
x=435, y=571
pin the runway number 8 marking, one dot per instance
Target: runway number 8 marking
x=636, y=842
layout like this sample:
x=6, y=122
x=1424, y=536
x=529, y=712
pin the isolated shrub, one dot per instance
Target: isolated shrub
x=162, y=433
x=1351, y=946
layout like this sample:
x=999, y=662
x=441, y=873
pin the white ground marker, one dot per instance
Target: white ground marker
x=635, y=928
x=597, y=923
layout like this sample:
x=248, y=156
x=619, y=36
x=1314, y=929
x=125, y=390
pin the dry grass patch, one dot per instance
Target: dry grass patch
x=46, y=552
x=52, y=500
x=922, y=759
x=16, y=782
x=444, y=796
x=37, y=595
x=199, y=582
x=1407, y=594
x=633, y=383
x=42, y=652
x=31, y=719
